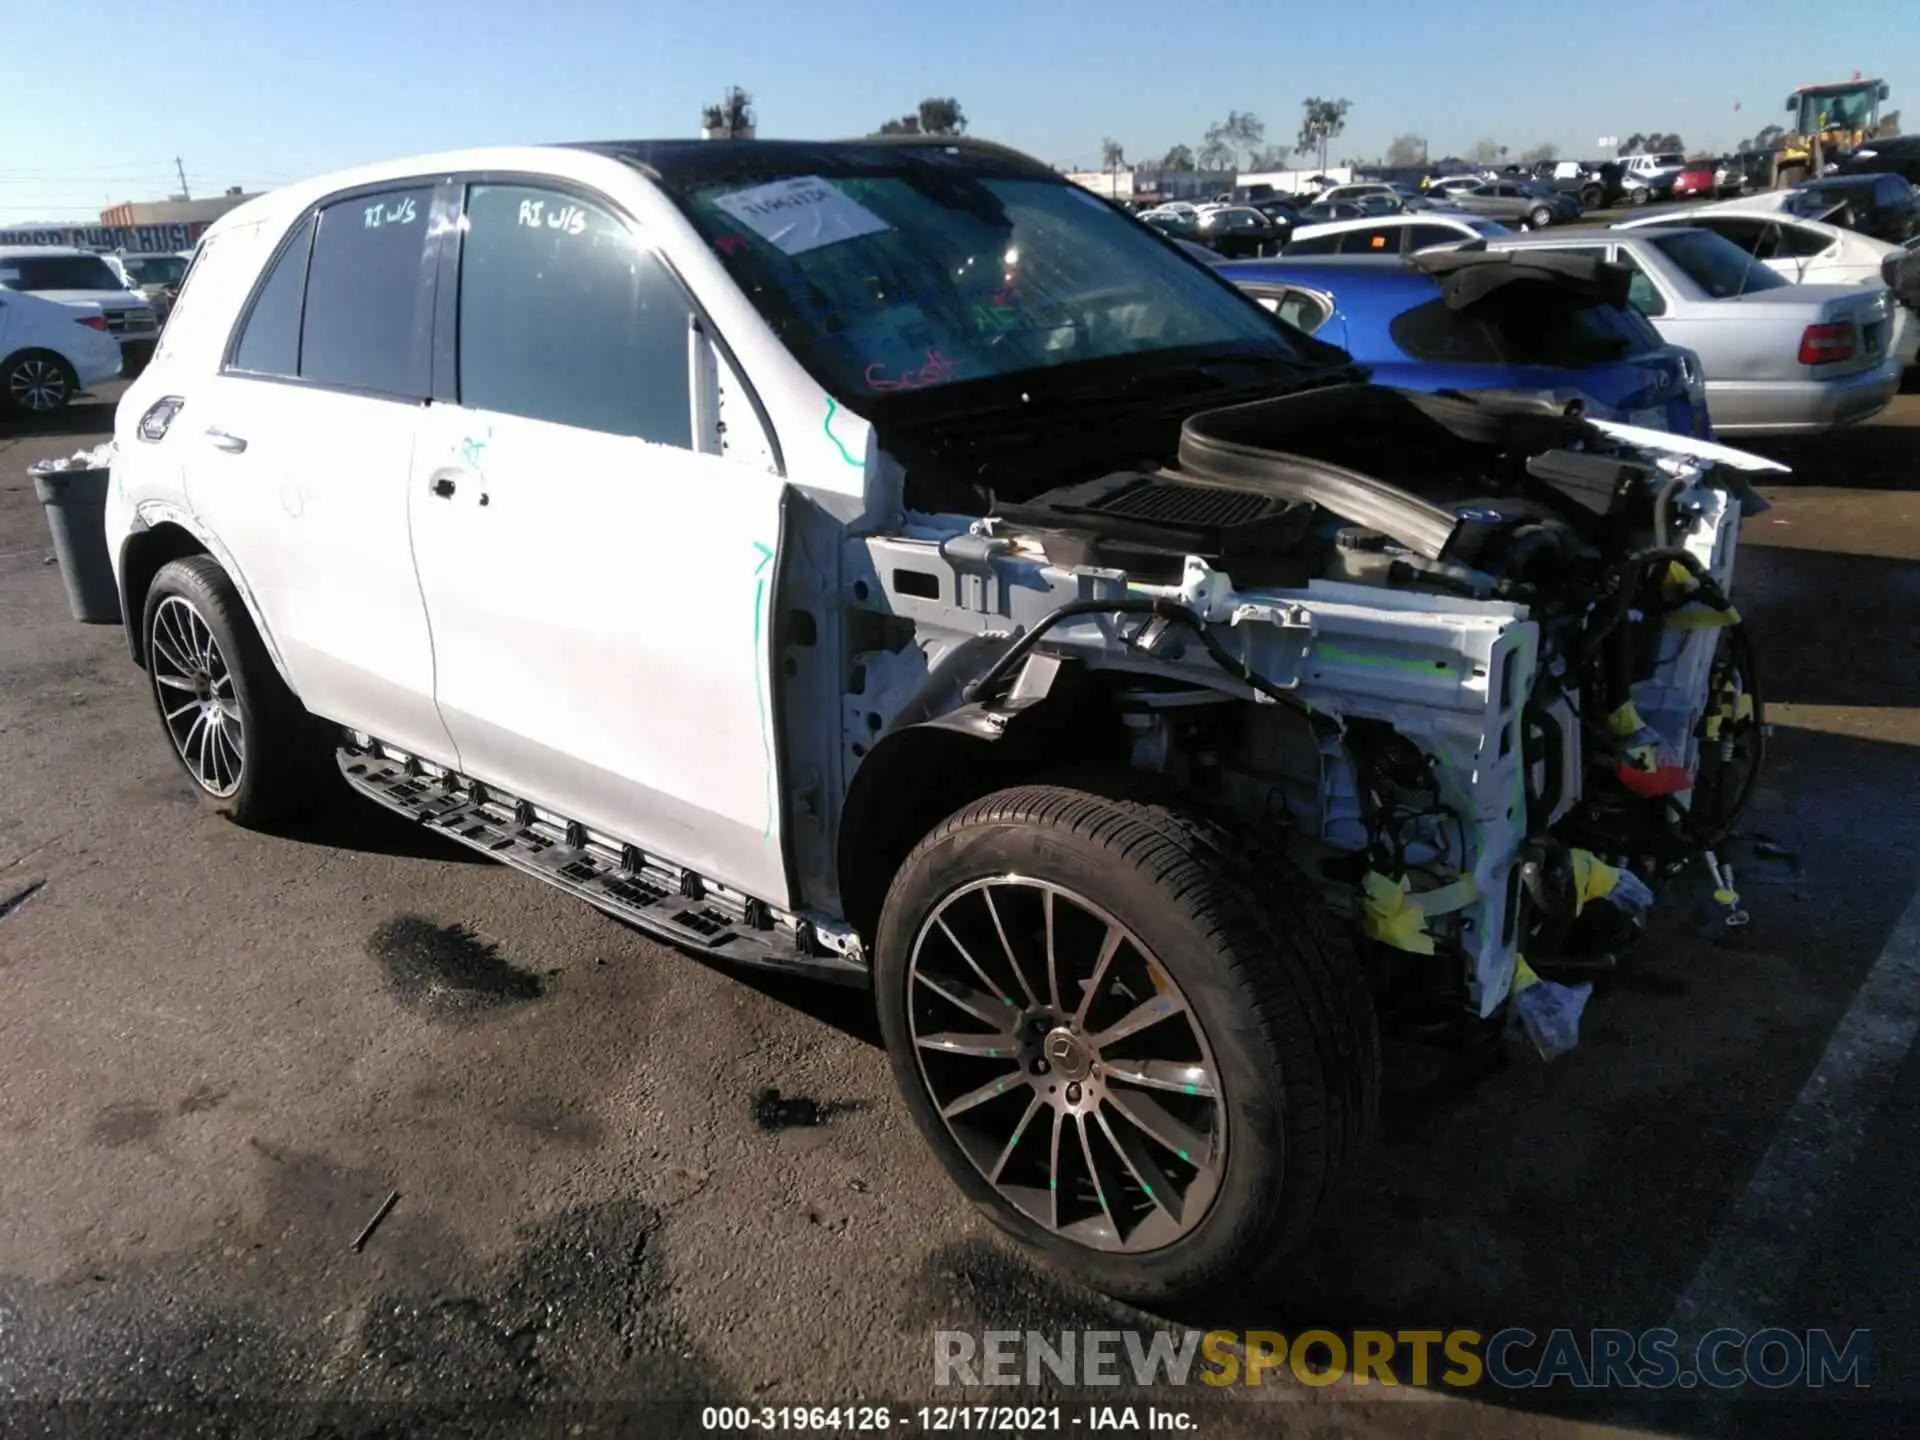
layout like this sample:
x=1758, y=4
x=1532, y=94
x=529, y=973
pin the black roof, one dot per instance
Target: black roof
x=692, y=162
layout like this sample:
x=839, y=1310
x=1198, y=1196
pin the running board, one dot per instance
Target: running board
x=666, y=902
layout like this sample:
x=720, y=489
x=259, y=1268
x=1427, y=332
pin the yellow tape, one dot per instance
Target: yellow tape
x=1702, y=617
x=1626, y=721
x=1389, y=914
x=1743, y=708
x=1713, y=727
x=1592, y=878
x=1523, y=975
x=1726, y=897
x=1678, y=581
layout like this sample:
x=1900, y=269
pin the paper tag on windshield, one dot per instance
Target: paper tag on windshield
x=801, y=214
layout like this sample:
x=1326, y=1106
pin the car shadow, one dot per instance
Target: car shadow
x=345, y=820
x=1860, y=457
x=89, y=415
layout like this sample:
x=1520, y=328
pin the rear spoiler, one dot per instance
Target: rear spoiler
x=1469, y=273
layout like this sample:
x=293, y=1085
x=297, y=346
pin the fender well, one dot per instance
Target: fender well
x=141, y=555
x=918, y=775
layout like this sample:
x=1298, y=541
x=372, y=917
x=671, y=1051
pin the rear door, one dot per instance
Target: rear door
x=598, y=566
x=301, y=449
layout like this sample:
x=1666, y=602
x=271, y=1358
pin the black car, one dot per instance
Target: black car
x=1171, y=222
x=1241, y=232
x=1323, y=210
x=1881, y=205
x=1281, y=209
x=1891, y=155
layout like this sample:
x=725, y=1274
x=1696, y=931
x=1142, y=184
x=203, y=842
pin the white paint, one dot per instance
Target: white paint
x=801, y=214
x=1687, y=445
x=1767, y=1237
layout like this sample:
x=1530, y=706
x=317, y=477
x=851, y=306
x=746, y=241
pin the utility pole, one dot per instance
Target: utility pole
x=181, y=170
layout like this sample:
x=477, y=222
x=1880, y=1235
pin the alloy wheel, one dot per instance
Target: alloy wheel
x=1066, y=1064
x=197, y=699
x=38, y=385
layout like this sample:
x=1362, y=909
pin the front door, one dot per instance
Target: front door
x=598, y=579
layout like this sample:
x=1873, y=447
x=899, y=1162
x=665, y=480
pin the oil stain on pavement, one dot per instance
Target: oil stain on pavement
x=446, y=971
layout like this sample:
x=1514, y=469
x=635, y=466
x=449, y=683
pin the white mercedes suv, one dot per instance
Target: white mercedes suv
x=889, y=562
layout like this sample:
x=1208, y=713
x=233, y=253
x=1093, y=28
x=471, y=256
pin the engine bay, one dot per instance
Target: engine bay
x=1499, y=692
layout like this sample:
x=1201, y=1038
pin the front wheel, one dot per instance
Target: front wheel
x=1131, y=1035
x=246, y=743
x=1540, y=217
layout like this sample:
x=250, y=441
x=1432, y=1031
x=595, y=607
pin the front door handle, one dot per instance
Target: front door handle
x=443, y=486
x=232, y=444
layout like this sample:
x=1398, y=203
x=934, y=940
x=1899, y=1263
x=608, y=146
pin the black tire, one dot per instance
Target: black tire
x=1268, y=977
x=37, y=382
x=1592, y=197
x=1540, y=217
x=279, y=773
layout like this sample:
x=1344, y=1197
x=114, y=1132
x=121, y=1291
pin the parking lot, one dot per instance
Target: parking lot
x=625, y=1175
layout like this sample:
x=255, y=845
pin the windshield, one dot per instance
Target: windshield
x=1847, y=110
x=1717, y=265
x=919, y=275
x=156, y=269
x=57, y=272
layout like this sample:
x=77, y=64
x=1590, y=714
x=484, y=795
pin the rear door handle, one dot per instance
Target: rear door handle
x=232, y=444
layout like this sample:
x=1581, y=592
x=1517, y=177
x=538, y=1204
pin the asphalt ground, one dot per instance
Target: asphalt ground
x=632, y=1183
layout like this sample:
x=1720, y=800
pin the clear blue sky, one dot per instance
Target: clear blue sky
x=96, y=101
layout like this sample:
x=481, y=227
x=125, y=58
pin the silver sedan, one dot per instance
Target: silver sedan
x=1779, y=358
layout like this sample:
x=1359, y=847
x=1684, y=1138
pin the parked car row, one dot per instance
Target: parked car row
x=40, y=366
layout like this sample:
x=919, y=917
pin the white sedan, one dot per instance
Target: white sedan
x=50, y=351
x=1392, y=234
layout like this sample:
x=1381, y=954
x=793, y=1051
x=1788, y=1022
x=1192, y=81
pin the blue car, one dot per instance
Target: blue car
x=1461, y=320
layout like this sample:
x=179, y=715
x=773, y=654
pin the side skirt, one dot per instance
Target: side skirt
x=646, y=891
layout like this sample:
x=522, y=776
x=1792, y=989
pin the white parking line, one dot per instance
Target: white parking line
x=1767, y=1237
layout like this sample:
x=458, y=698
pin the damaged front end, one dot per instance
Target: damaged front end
x=1478, y=666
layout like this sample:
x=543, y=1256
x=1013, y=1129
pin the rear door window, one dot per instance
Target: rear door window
x=1642, y=294
x=1313, y=245
x=1419, y=237
x=1372, y=240
x=566, y=317
x=370, y=295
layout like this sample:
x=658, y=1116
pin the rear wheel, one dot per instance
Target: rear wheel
x=1132, y=1038
x=37, y=382
x=246, y=743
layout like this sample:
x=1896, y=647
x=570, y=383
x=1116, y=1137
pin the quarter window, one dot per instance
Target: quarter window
x=370, y=294
x=270, y=343
x=566, y=317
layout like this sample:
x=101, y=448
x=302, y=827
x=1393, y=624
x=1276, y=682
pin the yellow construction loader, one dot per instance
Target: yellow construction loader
x=1829, y=121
